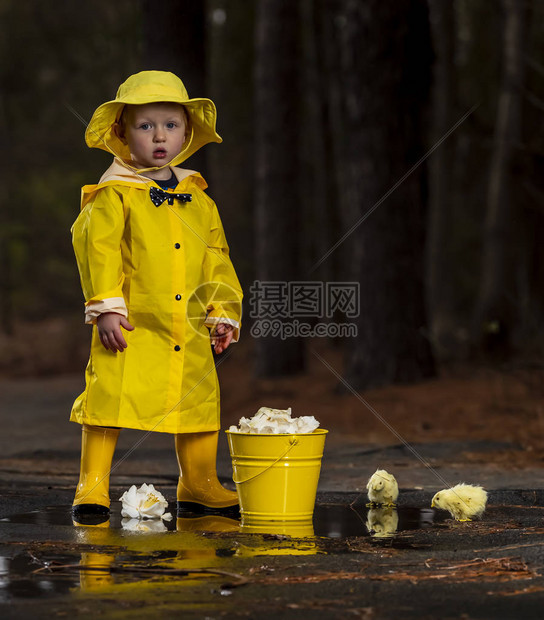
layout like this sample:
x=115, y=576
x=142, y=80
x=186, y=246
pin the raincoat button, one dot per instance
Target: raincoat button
x=177, y=348
x=177, y=246
x=178, y=297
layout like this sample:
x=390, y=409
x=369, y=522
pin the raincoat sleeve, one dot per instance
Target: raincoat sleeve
x=95, y=308
x=224, y=290
x=97, y=234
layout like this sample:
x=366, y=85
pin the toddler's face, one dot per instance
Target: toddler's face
x=154, y=132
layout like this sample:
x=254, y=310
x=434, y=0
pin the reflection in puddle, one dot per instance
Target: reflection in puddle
x=18, y=581
x=117, y=555
x=296, y=529
x=329, y=521
x=26, y=576
x=341, y=521
x=382, y=522
x=293, y=546
x=209, y=523
x=95, y=571
x=155, y=526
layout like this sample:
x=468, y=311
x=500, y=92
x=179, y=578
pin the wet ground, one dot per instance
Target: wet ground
x=207, y=567
x=353, y=561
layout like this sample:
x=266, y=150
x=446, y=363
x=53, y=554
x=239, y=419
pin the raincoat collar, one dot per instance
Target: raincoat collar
x=118, y=172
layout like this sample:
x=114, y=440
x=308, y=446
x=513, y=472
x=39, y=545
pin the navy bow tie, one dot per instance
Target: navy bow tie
x=158, y=196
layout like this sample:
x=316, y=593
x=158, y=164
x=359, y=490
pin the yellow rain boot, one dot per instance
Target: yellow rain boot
x=199, y=490
x=97, y=448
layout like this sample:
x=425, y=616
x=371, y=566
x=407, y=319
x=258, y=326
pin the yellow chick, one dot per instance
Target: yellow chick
x=463, y=501
x=382, y=488
x=382, y=522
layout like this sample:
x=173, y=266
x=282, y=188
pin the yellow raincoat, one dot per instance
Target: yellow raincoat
x=170, y=264
x=160, y=260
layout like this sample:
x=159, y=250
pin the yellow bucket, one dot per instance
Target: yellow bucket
x=276, y=476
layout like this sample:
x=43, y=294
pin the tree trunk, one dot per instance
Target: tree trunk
x=277, y=204
x=174, y=40
x=496, y=310
x=379, y=91
x=315, y=160
x=230, y=71
x=440, y=260
x=6, y=280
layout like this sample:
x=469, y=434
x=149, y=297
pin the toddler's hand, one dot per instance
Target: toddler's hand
x=221, y=336
x=109, y=330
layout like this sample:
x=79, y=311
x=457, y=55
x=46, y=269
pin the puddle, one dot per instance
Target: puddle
x=35, y=576
x=190, y=552
x=340, y=521
x=335, y=521
x=18, y=581
x=59, y=515
x=113, y=556
x=330, y=521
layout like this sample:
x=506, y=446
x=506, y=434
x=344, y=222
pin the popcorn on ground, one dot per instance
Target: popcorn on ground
x=269, y=421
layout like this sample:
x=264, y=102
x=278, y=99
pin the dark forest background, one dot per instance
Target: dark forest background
x=414, y=124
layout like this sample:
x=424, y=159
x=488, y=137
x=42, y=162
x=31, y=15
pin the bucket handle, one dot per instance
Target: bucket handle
x=292, y=443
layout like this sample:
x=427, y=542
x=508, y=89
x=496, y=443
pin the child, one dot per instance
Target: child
x=157, y=278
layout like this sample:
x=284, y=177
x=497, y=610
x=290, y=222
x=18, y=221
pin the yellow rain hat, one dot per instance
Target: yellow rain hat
x=152, y=87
